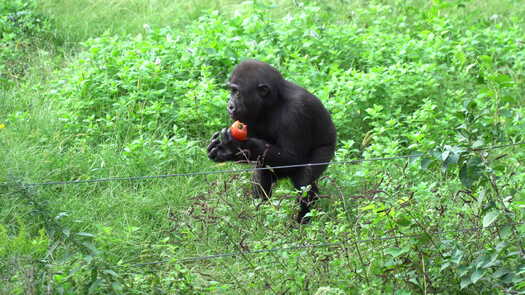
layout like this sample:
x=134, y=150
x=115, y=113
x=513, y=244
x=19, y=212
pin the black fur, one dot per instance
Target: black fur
x=287, y=125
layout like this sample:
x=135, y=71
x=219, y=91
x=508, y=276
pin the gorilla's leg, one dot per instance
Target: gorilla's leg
x=262, y=183
x=306, y=199
x=307, y=176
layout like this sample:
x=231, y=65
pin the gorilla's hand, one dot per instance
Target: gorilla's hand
x=223, y=147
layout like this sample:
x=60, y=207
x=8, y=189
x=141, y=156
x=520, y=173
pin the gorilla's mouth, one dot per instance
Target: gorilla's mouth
x=233, y=115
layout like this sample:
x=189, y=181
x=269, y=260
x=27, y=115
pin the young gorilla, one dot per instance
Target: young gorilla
x=287, y=125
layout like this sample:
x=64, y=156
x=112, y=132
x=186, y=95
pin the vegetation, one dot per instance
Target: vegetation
x=98, y=89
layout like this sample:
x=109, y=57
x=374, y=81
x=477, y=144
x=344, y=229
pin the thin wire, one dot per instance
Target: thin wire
x=309, y=246
x=198, y=173
x=497, y=146
x=188, y=174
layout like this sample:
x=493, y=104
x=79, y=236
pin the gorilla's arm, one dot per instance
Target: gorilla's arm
x=224, y=147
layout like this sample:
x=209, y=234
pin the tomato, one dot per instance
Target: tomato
x=239, y=130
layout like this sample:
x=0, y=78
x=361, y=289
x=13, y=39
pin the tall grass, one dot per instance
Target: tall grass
x=97, y=232
x=77, y=20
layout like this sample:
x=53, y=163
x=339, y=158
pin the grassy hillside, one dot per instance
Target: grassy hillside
x=114, y=89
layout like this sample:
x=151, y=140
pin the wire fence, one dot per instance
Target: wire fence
x=234, y=171
x=348, y=242
x=321, y=245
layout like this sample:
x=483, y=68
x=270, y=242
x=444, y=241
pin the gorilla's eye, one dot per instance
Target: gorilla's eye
x=234, y=88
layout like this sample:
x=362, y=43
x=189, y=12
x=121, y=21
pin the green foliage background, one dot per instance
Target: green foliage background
x=95, y=89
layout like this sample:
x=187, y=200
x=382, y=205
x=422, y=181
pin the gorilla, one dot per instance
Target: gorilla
x=287, y=125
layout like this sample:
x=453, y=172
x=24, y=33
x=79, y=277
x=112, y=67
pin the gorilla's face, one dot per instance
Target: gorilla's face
x=254, y=88
x=245, y=102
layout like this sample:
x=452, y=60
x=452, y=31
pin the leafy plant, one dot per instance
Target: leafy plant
x=439, y=81
x=21, y=28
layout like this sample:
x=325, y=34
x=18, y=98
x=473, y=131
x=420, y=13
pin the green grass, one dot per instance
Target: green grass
x=399, y=78
x=78, y=20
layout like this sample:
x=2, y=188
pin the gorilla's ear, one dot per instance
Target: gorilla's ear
x=263, y=89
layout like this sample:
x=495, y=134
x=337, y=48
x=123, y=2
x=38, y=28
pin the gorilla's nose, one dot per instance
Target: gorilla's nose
x=231, y=108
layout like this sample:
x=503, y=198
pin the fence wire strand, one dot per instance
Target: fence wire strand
x=288, y=248
x=234, y=171
x=319, y=245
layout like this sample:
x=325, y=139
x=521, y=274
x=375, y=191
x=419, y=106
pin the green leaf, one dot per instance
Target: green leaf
x=453, y=158
x=464, y=176
x=110, y=272
x=463, y=270
x=396, y=252
x=465, y=282
x=414, y=156
x=444, y=155
x=500, y=273
x=91, y=248
x=521, y=270
x=470, y=105
x=476, y=276
x=506, y=231
x=486, y=59
x=489, y=218
x=500, y=246
x=88, y=259
x=444, y=266
x=492, y=261
x=508, y=278
x=425, y=162
x=84, y=234
x=470, y=171
x=457, y=256
x=117, y=287
x=503, y=80
x=403, y=221
x=93, y=288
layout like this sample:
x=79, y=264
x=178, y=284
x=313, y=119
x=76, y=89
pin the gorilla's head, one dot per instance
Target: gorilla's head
x=254, y=89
